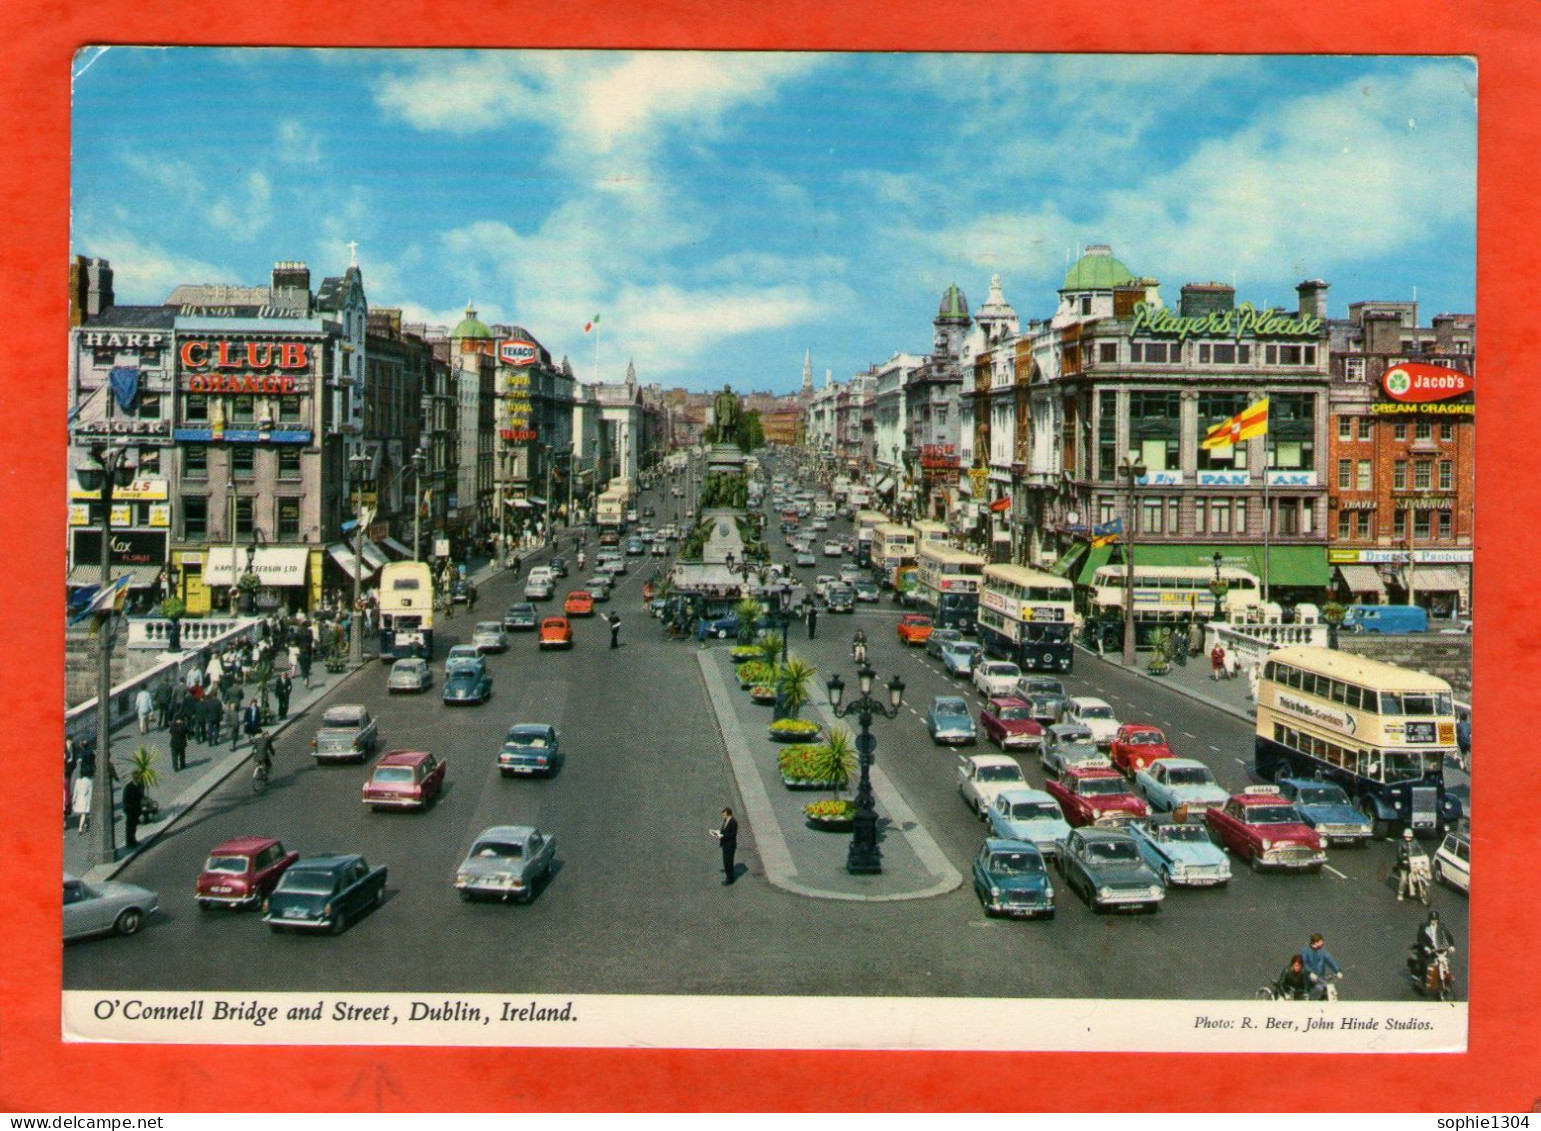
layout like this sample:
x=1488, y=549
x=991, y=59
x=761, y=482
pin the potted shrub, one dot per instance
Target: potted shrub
x=141, y=769
x=799, y=766
x=794, y=730
x=755, y=672
x=763, y=693
x=792, y=682
x=173, y=609
x=743, y=653
x=833, y=761
x=749, y=613
x=832, y=814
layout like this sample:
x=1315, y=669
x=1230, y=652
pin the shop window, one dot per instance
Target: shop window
x=195, y=462
x=195, y=517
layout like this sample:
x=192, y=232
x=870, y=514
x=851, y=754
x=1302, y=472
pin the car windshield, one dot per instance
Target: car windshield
x=1015, y=863
x=497, y=849
x=995, y=671
x=1035, y=811
x=1145, y=738
x=1112, y=850
x=1272, y=815
x=461, y=664
x=521, y=611
x=1321, y=795
x=999, y=773
x=341, y=717
x=1096, y=712
x=1100, y=787
x=306, y=882
x=231, y=865
x=1187, y=834
x=533, y=741
x=1016, y=713
x=388, y=774
x=961, y=649
x=951, y=707
x=490, y=626
x=1188, y=775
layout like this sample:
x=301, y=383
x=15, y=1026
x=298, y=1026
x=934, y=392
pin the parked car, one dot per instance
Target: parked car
x=940, y=638
x=1137, y=745
x=348, y=734
x=982, y=777
x=1030, y=815
x=467, y=683
x=1266, y=831
x=1181, y=854
x=101, y=906
x=1327, y=809
x=1172, y=783
x=579, y=603
x=506, y=862
x=1095, y=715
x=529, y=748
x=996, y=679
x=488, y=636
x=240, y=872
x=960, y=657
x=556, y=632
x=1104, y=868
x=950, y=722
x=520, y=617
x=1096, y=795
x=1066, y=745
x=411, y=674
x=914, y=628
x=1452, y=862
x=324, y=893
x=1010, y=878
x=405, y=779
x=1009, y=723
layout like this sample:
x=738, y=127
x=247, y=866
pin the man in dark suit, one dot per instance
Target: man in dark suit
x=133, y=804
x=178, y=741
x=727, y=840
x=813, y=619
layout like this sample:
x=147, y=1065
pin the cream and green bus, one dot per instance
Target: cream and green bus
x=1027, y=616
x=947, y=585
x=1380, y=731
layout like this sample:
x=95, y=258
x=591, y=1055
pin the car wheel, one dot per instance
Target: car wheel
x=1255, y=862
x=465, y=896
x=505, y=773
x=340, y=923
x=128, y=921
x=1438, y=873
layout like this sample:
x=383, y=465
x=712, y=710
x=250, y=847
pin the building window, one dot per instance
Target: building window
x=1288, y=517
x=1150, y=516
x=1445, y=526
x=1399, y=525
x=244, y=512
x=1107, y=435
x=1174, y=515
x=1240, y=507
x=1366, y=528
x=1107, y=351
x=1213, y=408
x=1365, y=479
x=1159, y=353
x=1446, y=475
x=149, y=406
x=195, y=517
x=1292, y=430
x=243, y=409
x=1155, y=428
x=1353, y=369
x=288, y=520
x=1200, y=515
x=1107, y=510
x=195, y=462
x=1345, y=474
x=1220, y=516
x=195, y=407
x=1290, y=355
x=1365, y=424
x=149, y=461
x=1399, y=430
x=1446, y=430
x=1344, y=521
x=1423, y=430
x=290, y=410
x=289, y=463
x=1423, y=475
x=1399, y=475
x=1345, y=428
x=243, y=462
x=1421, y=525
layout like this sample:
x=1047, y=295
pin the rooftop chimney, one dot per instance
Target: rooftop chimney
x=1313, y=297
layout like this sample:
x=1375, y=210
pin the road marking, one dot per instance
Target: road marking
x=1238, y=761
x=1189, y=734
x=1216, y=749
x=1334, y=871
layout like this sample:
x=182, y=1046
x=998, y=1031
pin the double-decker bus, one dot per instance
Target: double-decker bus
x=927, y=531
x=866, y=522
x=1027, y=616
x=1165, y=596
x=947, y=585
x=1380, y=731
x=893, y=547
x=406, y=610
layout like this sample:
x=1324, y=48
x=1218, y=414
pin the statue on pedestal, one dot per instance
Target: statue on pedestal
x=725, y=413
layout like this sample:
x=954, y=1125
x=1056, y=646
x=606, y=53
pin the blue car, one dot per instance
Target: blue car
x=950, y=722
x=960, y=656
x=1030, y=815
x=1168, y=783
x=1010, y=878
x=467, y=683
x=1327, y=809
x=1182, y=855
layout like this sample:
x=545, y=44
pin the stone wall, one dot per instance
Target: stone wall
x=1448, y=657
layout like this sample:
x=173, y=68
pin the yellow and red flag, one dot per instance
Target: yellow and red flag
x=1249, y=422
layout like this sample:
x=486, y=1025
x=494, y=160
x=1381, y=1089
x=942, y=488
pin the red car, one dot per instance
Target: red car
x=240, y=872
x=556, y=632
x=1092, y=794
x=1137, y=745
x=1008, y=722
x=405, y=779
x=1266, y=831
x=914, y=628
x=580, y=603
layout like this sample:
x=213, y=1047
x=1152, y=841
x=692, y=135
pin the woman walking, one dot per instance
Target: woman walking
x=81, y=801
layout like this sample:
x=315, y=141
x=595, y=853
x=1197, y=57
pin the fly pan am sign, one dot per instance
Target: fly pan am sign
x=516, y=351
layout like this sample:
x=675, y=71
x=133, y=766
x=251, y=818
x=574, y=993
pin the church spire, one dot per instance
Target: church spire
x=808, y=371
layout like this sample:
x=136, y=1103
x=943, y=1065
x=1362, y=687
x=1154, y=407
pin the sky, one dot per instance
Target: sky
x=727, y=213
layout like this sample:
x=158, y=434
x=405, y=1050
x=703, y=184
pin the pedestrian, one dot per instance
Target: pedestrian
x=283, y=686
x=80, y=801
x=133, y=806
x=1230, y=664
x=177, y=738
x=161, y=698
x=1253, y=675
x=1216, y=662
x=251, y=721
x=1463, y=739
x=813, y=620
x=144, y=707
x=470, y=598
x=516, y=564
x=726, y=836
x=615, y=630
x=213, y=715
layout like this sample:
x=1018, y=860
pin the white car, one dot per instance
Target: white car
x=1030, y=815
x=996, y=678
x=833, y=549
x=984, y=777
x=1452, y=862
x=537, y=589
x=822, y=585
x=850, y=572
x=541, y=573
x=1095, y=715
x=97, y=907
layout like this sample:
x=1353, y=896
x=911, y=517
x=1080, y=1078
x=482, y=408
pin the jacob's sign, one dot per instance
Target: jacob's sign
x=1414, y=382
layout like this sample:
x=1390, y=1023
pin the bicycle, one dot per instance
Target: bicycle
x=259, y=777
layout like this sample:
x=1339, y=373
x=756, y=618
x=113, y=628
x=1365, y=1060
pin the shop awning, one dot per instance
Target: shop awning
x=885, y=485
x=1290, y=566
x=1437, y=579
x=1362, y=579
x=394, y=547
x=1096, y=557
x=343, y=554
x=537, y=501
x=277, y=566
x=141, y=577
x=521, y=504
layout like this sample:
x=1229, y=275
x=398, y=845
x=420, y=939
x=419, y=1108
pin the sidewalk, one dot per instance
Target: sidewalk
x=795, y=856
x=210, y=764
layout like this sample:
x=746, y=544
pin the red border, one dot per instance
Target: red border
x=38, y=1072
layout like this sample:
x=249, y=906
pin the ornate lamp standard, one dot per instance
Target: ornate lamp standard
x=1132, y=468
x=1218, y=588
x=358, y=464
x=1333, y=613
x=110, y=467
x=419, y=459
x=864, y=857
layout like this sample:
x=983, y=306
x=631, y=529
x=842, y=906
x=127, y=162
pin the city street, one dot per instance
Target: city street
x=637, y=904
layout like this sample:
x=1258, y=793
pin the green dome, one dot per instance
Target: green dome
x=1097, y=270
x=471, y=326
x=953, y=305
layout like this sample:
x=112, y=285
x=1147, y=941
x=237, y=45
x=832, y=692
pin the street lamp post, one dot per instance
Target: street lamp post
x=502, y=497
x=1218, y=587
x=419, y=458
x=1133, y=468
x=864, y=858
x=357, y=464
x=110, y=469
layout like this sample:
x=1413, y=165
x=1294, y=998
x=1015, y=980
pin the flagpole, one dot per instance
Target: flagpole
x=1267, y=518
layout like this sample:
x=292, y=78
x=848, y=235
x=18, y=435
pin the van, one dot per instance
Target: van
x=1388, y=619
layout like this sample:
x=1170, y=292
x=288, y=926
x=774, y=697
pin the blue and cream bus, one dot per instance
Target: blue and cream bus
x=947, y=585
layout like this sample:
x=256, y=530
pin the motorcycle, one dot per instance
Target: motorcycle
x=1432, y=975
x=859, y=653
x=1418, y=877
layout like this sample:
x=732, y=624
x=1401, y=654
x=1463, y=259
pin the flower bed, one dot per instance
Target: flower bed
x=743, y=653
x=801, y=767
x=831, y=815
x=763, y=693
x=755, y=672
x=794, y=730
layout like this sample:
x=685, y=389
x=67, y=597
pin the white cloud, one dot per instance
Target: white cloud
x=143, y=273
x=244, y=214
x=298, y=144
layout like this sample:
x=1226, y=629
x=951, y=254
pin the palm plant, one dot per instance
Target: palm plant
x=793, y=681
x=770, y=648
x=749, y=612
x=141, y=767
x=835, y=759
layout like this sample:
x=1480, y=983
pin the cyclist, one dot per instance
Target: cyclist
x=1295, y=983
x=859, y=647
x=1320, y=967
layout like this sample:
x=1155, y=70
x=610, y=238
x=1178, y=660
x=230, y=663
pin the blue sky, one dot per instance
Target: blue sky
x=726, y=212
